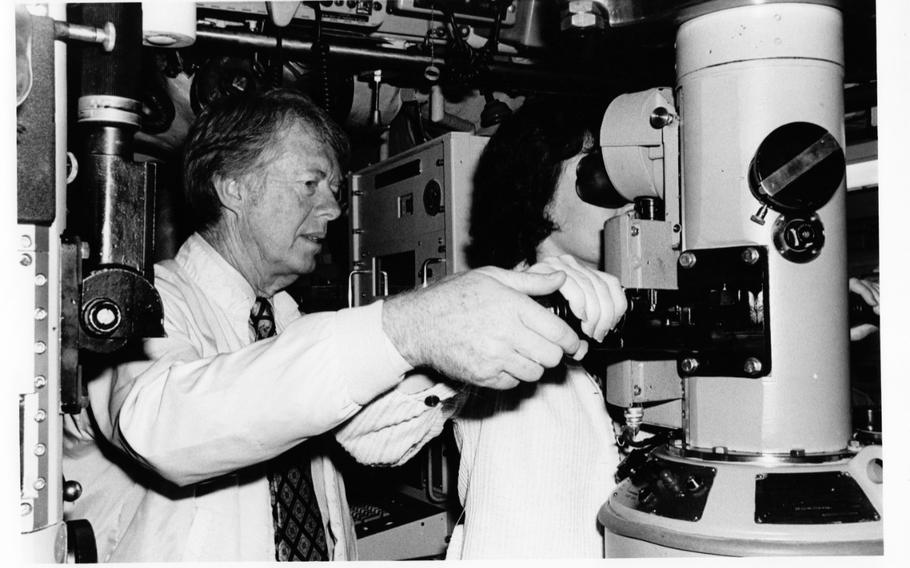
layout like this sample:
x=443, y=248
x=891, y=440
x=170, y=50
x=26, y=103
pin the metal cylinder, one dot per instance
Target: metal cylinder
x=115, y=73
x=742, y=73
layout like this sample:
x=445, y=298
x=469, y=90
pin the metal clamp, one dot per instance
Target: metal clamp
x=385, y=284
x=423, y=269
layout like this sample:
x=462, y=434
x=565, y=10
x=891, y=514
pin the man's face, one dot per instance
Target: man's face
x=292, y=198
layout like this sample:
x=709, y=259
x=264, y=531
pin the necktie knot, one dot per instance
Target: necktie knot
x=262, y=319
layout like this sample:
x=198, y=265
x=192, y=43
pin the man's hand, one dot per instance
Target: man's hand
x=869, y=291
x=596, y=298
x=480, y=327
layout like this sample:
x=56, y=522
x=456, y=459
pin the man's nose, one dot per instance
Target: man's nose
x=330, y=207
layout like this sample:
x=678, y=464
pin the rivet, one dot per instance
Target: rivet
x=40, y=382
x=40, y=314
x=752, y=366
x=689, y=364
x=40, y=415
x=687, y=260
x=40, y=449
x=750, y=255
x=40, y=483
x=40, y=347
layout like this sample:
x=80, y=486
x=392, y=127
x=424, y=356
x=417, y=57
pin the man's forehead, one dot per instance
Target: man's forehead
x=301, y=145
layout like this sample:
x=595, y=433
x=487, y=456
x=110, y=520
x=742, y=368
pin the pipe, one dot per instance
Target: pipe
x=510, y=74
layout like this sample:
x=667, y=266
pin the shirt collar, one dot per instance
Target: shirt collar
x=224, y=283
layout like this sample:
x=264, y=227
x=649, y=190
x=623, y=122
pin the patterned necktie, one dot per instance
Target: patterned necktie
x=299, y=535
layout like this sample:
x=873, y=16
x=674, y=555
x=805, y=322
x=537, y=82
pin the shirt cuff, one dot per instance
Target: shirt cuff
x=373, y=359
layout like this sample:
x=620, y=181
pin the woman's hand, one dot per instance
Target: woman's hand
x=596, y=298
x=869, y=291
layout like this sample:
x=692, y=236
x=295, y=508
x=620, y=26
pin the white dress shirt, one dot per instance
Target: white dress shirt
x=170, y=452
x=537, y=463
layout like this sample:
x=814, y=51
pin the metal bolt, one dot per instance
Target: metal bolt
x=689, y=365
x=40, y=483
x=25, y=242
x=759, y=216
x=676, y=227
x=660, y=117
x=40, y=314
x=84, y=250
x=752, y=366
x=40, y=347
x=40, y=449
x=722, y=450
x=40, y=416
x=636, y=390
x=40, y=279
x=40, y=382
x=677, y=443
x=107, y=37
x=635, y=231
x=687, y=260
x=25, y=509
x=750, y=255
x=25, y=260
x=854, y=445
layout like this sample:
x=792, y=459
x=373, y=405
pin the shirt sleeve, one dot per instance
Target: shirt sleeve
x=395, y=426
x=190, y=413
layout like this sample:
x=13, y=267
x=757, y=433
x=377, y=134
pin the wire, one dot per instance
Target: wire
x=321, y=51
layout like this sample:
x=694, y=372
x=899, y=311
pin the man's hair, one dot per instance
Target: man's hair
x=233, y=135
x=517, y=175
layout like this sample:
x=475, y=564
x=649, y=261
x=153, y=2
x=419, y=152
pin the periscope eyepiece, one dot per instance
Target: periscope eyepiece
x=593, y=185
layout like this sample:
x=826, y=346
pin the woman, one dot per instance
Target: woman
x=537, y=462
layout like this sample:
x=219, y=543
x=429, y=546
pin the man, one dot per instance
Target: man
x=178, y=450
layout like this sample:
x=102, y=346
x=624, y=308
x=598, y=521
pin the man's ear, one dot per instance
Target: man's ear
x=229, y=193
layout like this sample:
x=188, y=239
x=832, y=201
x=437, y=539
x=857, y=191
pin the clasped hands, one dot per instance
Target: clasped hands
x=482, y=327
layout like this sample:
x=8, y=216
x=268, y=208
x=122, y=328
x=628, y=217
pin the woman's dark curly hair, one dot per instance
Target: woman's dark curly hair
x=517, y=175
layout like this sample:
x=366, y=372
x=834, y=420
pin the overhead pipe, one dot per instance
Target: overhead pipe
x=508, y=75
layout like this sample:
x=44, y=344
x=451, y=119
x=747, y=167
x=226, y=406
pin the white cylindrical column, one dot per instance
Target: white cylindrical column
x=742, y=74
